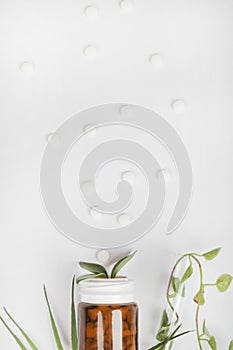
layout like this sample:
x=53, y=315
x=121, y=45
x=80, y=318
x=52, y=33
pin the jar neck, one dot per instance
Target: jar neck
x=107, y=291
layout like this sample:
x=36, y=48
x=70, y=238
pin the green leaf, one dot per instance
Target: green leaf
x=171, y=296
x=94, y=268
x=162, y=347
x=223, y=282
x=199, y=297
x=212, y=254
x=18, y=341
x=183, y=292
x=164, y=320
x=28, y=339
x=160, y=336
x=162, y=333
x=53, y=324
x=188, y=273
x=171, y=345
x=175, y=284
x=231, y=345
x=164, y=327
x=74, y=338
x=212, y=343
x=121, y=263
x=88, y=276
x=205, y=330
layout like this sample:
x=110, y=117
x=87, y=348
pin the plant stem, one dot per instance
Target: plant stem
x=198, y=306
x=169, y=286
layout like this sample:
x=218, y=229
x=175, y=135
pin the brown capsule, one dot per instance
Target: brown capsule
x=90, y=330
x=133, y=329
x=91, y=345
x=130, y=316
x=124, y=313
x=126, y=333
x=132, y=347
x=92, y=314
x=125, y=325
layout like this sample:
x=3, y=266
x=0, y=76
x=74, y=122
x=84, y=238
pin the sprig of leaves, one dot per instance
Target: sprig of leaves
x=177, y=284
x=99, y=271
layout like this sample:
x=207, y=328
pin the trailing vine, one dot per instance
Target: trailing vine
x=176, y=285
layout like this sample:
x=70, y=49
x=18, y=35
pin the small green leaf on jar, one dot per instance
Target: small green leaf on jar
x=211, y=254
x=223, y=282
x=93, y=268
x=121, y=263
x=88, y=276
x=231, y=345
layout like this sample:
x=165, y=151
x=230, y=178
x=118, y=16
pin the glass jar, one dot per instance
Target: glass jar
x=107, y=315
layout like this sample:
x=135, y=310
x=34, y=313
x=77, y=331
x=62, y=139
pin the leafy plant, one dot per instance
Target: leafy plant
x=99, y=271
x=174, y=287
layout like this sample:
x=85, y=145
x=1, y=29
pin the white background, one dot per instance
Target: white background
x=195, y=41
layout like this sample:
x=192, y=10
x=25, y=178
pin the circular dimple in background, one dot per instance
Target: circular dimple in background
x=91, y=12
x=103, y=256
x=156, y=60
x=114, y=114
x=90, y=52
x=27, y=68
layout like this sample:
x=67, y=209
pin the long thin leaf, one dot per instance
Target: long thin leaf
x=158, y=346
x=28, y=339
x=18, y=341
x=74, y=338
x=53, y=324
x=121, y=263
x=171, y=345
x=93, y=268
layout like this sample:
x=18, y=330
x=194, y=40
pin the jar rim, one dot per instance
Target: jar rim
x=108, y=280
x=106, y=290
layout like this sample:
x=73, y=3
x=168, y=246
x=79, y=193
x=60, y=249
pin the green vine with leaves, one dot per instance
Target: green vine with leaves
x=175, y=286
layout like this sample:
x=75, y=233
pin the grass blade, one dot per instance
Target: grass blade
x=74, y=338
x=162, y=345
x=28, y=339
x=53, y=324
x=121, y=263
x=18, y=341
